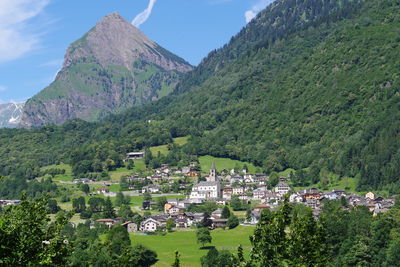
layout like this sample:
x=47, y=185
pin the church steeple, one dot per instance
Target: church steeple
x=213, y=173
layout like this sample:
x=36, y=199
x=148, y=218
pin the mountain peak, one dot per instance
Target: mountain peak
x=112, y=67
x=115, y=41
x=113, y=16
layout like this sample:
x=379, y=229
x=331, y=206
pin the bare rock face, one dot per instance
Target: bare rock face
x=10, y=114
x=114, y=41
x=112, y=67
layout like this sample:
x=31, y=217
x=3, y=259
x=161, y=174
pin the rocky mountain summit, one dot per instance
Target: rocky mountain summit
x=10, y=114
x=112, y=67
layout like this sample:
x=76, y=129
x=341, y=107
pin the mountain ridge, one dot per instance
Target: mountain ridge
x=112, y=67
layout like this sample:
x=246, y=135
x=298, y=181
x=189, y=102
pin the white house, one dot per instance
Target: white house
x=248, y=178
x=295, y=198
x=151, y=189
x=206, y=190
x=185, y=170
x=238, y=191
x=149, y=225
x=259, y=193
x=370, y=195
x=282, y=188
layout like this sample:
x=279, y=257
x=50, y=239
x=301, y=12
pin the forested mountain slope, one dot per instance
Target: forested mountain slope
x=309, y=83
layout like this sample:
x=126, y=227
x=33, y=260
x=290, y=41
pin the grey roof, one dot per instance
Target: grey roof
x=217, y=211
x=206, y=184
x=213, y=166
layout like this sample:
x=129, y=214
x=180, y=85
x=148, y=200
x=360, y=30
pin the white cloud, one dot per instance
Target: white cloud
x=252, y=13
x=17, y=37
x=3, y=88
x=52, y=63
x=142, y=17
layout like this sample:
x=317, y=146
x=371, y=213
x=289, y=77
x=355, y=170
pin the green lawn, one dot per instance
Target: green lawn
x=61, y=177
x=118, y=173
x=185, y=243
x=286, y=173
x=139, y=165
x=334, y=182
x=181, y=140
x=163, y=149
x=223, y=163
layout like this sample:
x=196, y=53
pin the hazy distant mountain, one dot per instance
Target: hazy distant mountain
x=112, y=67
x=10, y=114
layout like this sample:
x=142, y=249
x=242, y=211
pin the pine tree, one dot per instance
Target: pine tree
x=109, y=211
x=177, y=262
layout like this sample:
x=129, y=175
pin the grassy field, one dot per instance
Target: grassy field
x=61, y=177
x=223, y=163
x=185, y=243
x=163, y=149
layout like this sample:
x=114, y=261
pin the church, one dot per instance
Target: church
x=211, y=189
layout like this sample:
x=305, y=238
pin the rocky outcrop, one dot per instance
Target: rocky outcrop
x=112, y=67
x=10, y=114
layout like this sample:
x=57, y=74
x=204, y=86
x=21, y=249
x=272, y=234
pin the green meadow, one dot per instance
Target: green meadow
x=185, y=243
x=223, y=163
x=163, y=149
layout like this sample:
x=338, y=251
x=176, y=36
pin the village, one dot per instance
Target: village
x=237, y=189
x=223, y=188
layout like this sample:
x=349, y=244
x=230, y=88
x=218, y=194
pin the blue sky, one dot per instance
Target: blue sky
x=34, y=34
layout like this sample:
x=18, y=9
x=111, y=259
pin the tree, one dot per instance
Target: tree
x=226, y=213
x=203, y=236
x=53, y=207
x=123, y=183
x=269, y=239
x=148, y=156
x=170, y=224
x=245, y=168
x=28, y=239
x=130, y=165
x=232, y=222
x=393, y=253
x=118, y=239
x=109, y=211
x=147, y=196
x=240, y=256
x=125, y=212
x=138, y=256
x=236, y=204
x=161, y=201
x=120, y=199
x=78, y=204
x=236, y=168
x=306, y=244
x=248, y=214
x=217, y=258
x=85, y=188
x=210, y=259
x=177, y=262
x=96, y=204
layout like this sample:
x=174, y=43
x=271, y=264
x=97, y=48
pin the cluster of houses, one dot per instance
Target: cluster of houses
x=250, y=188
x=173, y=210
x=9, y=202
